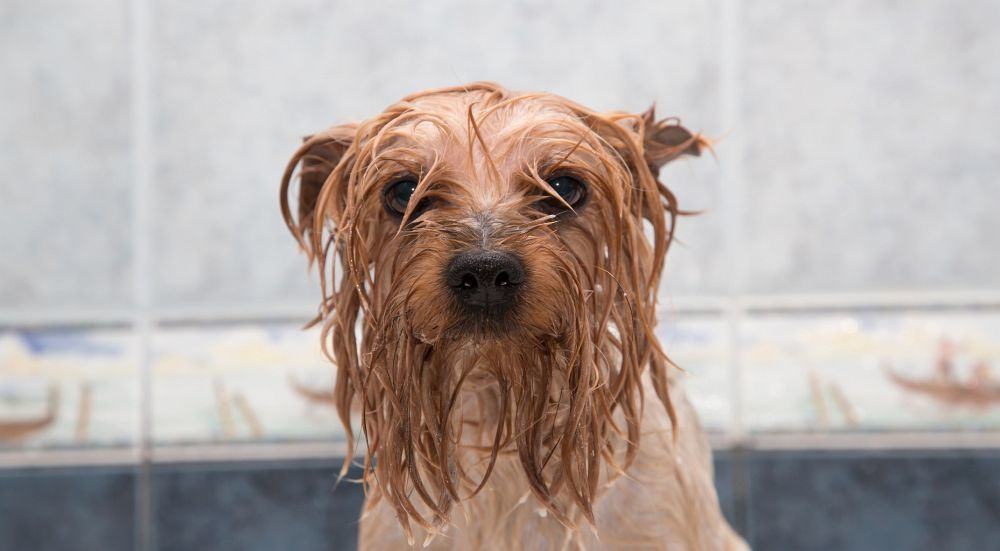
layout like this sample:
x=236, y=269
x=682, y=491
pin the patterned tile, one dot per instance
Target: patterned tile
x=846, y=501
x=65, y=154
x=67, y=388
x=270, y=382
x=235, y=95
x=872, y=371
x=255, y=507
x=67, y=509
x=699, y=346
x=872, y=151
x=242, y=383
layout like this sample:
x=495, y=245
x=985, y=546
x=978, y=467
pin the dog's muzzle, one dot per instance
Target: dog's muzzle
x=485, y=282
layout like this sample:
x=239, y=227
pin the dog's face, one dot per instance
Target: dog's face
x=496, y=242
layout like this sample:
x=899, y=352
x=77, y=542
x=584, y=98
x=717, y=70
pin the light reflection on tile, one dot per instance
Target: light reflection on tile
x=699, y=346
x=67, y=388
x=872, y=371
x=239, y=383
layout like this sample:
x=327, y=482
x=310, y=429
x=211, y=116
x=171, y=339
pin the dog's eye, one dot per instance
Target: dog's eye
x=397, y=196
x=573, y=191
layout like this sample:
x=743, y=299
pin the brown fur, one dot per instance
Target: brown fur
x=544, y=414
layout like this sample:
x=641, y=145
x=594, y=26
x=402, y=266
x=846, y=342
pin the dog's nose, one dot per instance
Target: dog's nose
x=485, y=280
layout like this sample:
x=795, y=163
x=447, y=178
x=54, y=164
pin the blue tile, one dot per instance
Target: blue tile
x=255, y=506
x=725, y=475
x=875, y=500
x=285, y=506
x=67, y=509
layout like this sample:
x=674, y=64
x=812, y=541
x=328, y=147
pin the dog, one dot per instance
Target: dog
x=488, y=262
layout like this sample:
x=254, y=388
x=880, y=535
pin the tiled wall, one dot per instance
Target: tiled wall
x=842, y=284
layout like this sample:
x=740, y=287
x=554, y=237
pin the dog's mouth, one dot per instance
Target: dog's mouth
x=487, y=325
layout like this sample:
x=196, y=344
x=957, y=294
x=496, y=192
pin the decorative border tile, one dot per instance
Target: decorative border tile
x=270, y=382
x=263, y=382
x=68, y=388
x=699, y=346
x=872, y=371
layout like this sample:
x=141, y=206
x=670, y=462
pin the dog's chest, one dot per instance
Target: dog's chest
x=665, y=501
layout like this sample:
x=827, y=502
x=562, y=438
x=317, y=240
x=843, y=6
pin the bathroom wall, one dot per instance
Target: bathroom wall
x=836, y=304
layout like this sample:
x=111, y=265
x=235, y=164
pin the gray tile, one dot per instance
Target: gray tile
x=67, y=509
x=872, y=152
x=64, y=154
x=875, y=500
x=255, y=507
x=233, y=95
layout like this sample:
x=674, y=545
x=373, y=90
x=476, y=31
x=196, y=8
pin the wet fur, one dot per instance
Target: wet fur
x=535, y=431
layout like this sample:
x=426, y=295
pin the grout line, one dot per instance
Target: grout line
x=908, y=441
x=284, y=312
x=733, y=193
x=734, y=317
x=65, y=318
x=733, y=184
x=80, y=457
x=143, y=322
x=249, y=452
x=874, y=441
x=876, y=300
x=169, y=454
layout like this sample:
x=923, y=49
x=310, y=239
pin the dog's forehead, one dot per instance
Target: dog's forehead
x=463, y=129
x=491, y=113
x=481, y=145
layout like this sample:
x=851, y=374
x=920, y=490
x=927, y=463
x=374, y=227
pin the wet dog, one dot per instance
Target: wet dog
x=489, y=262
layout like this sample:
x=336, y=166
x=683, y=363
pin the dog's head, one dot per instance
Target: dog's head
x=500, y=255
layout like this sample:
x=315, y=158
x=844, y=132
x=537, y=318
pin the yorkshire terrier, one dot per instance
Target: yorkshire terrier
x=499, y=256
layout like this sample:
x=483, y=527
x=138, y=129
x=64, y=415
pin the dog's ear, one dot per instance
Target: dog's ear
x=317, y=158
x=666, y=140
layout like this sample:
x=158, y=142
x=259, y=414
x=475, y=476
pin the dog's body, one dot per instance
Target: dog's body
x=666, y=500
x=494, y=251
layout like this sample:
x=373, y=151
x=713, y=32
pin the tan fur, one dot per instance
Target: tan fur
x=532, y=435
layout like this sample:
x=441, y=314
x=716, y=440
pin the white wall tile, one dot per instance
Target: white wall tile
x=872, y=145
x=65, y=229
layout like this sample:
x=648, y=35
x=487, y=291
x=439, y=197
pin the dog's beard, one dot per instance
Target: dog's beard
x=441, y=405
x=557, y=389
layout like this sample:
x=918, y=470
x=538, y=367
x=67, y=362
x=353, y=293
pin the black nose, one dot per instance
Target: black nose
x=485, y=281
